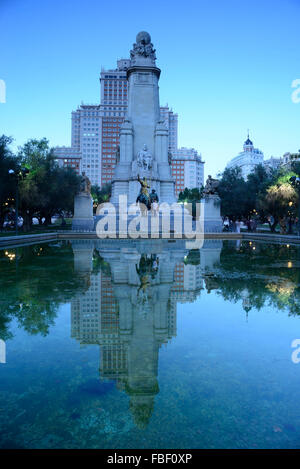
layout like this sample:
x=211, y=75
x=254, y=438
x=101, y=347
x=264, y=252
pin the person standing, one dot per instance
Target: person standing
x=238, y=226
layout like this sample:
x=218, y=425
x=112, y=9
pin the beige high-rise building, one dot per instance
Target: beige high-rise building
x=85, y=142
x=171, y=121
x=95, y=135
x=187, y=169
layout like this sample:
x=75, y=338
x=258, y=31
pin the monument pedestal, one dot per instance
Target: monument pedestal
x=83, y=219
x=144, y=136
x=212, y=214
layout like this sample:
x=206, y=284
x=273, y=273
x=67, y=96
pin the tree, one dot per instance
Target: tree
x=295, y=166
x=233, y=192
x=279, y=200
x=63, y=184
x=101, y=195
x=191, y=196
x=48, y=189
x=7, y=185
x=258, y=182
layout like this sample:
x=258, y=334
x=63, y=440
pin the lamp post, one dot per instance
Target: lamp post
x=295, y=182
x=18, y=176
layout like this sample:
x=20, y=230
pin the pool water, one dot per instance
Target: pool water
x=150, y=344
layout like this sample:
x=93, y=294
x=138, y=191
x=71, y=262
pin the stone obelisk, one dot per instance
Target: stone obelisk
x=144, y=135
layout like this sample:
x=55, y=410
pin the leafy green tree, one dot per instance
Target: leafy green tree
x=8, y=161
x=63, y=184
x=100, y=195
x=233, y=191
x=47, y=189
x=258, y=182
x=295, y=165
x=188, y=195
x=279, y=201
x=191, y=196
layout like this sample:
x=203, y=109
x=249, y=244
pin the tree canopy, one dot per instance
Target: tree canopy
x=8, y=161
x=266, y=195
x=47, y=188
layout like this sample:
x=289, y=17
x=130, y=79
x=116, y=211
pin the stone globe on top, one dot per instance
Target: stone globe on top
x=143, y=52
x=143, y=37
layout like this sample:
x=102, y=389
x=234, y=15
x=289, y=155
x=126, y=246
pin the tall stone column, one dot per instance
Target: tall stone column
x=144, y=136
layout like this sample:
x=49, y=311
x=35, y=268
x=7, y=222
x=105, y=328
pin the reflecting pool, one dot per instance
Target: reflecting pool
x=150, y=344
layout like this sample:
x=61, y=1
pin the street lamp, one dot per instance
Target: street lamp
x=18, y=176
x=295, y=182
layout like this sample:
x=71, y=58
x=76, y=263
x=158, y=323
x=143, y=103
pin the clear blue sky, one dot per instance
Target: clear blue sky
x=226, y=66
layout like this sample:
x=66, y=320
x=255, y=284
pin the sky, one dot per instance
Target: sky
x=227, y=66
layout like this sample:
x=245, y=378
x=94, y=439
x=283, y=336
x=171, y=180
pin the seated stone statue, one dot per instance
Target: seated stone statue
x=144, y=158
x=211, y=186
x=85, y=185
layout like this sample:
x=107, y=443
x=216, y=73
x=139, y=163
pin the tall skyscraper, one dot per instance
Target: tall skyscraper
x=85, y=142
x=113, y=106
x=187, y=169
x=95, y=135
x=171, y=121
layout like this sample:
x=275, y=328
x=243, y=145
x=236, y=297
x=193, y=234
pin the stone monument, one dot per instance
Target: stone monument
x=211, y=203
x=83, y=219
x=143, y=135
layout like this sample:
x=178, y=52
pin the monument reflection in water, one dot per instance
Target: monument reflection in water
x=130, y=307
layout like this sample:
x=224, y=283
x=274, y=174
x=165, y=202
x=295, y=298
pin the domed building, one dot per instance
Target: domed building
x=247, y=159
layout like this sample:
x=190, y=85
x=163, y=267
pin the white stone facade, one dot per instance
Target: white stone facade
x=247, y=159
x=272, y=163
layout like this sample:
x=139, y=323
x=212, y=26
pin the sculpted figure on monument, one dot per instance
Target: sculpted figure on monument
x=144, y=158
x=143, y=46
x=143, y=197
x=85, y=185
x=211, y=186
x=154, y=202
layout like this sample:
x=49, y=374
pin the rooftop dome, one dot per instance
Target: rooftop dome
x=248, y=142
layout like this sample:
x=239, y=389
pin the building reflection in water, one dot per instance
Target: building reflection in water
x=130, y=306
